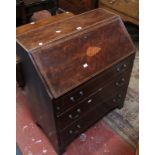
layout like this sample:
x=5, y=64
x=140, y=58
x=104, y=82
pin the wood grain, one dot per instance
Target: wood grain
x=62, y=80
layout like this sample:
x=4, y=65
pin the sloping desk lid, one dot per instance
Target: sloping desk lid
x=82, y=47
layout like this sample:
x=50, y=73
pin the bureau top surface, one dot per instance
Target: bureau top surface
x=41, y=23
x=76, y=56
x=47, y=33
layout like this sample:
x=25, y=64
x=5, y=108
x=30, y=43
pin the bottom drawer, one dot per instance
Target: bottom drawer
x=70, y=133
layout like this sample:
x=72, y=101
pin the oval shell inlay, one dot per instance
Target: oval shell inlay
x=91, y=51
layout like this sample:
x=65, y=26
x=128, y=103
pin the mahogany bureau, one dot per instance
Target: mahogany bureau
x=76, y=71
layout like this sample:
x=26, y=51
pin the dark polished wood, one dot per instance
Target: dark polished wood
x=74, y=69
x=38, y=24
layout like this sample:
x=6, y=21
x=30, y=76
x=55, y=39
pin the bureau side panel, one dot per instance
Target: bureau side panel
x=40, y=103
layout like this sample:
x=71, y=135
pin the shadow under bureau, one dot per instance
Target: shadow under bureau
x=76, y=70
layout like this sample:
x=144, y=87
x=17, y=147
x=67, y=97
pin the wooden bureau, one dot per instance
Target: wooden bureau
x=76, y=71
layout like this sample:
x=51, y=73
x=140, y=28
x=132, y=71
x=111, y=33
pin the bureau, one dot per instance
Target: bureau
x=76, y=70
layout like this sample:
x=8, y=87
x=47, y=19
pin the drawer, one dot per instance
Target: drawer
x=80, y=93
x=118, y=84
x=127, y=7
x=70, y=133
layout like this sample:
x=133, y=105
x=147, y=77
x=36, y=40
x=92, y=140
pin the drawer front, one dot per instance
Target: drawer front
x=92, y=86
x=127, y=7
x=70, y=133
x=104, y=92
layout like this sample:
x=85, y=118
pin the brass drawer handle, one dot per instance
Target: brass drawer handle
x=118, y=69
x=71, y=116
x=76, y=131
x=81, y=93
x=78, y=126
x=100, y=89
x=119, y=96
x=117, y=99
x=122, y=68
x=58, y=108
x=72, y=99
x=70, y=131
x=114, y=100
x=90, y=100
x=120, y=83
x=124, y=65
x=78, y=110
x=76, y=116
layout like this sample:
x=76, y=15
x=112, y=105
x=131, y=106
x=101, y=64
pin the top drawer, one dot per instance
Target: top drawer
x=80, y=93
x=128, y=7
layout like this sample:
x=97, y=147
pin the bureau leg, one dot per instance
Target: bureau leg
x=62, y=151
x=19, y=76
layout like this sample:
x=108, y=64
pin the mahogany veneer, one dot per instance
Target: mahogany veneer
x=76, y=71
